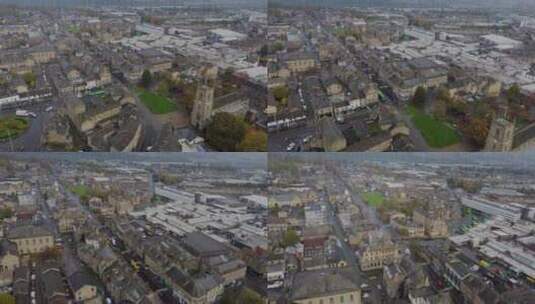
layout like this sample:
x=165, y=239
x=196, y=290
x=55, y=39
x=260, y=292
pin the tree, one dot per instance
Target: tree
x=169, y=179
x=513, y=93
x=468, y=185
x=228, y=296
x=30, y=79
x=277, y=46
x=264, y=51
x=50, y=253
x=456, y=107
x=482, y=110
x=146, y=79
x=290, y=238
x=440, y=109
x=281, y=94
x=245, y=296
x=414, y=246
x=403, y=232
x=443, y=94
x=419, y=97
x=225, y=132
x=275, y=209
x=5, y=212
x=186, y=95
x=263, y=55
x=163, y=88
x=228, y=74
x=477, y=130
x=254, y=141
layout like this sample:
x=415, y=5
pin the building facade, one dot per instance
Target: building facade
x=31, y=239
x=204, y=100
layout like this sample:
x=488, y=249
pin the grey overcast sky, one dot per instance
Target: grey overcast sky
x=141, y=2
x=411, y=3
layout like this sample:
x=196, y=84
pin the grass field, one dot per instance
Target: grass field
x=373, y=199
x=80, y=190
x=11, y=127
x=157, y=104
x=436, y=133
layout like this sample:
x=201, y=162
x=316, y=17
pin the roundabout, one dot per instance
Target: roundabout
x=11, y=127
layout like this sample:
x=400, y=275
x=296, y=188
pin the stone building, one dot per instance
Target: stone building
x=86, y=287
x=333, y=286
x=9, y=260
x=204, y=100
x=379, y=251
x=203, y=288
x=393, y=277
x=299, y=62
x=504, y=136
x=328, y=136
x=31, y=239
x=434, y=221
x=501, y=134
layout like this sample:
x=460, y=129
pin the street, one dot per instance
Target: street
x=31, y=139
x=374, y=291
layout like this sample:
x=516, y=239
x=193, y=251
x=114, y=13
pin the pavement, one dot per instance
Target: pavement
x=349, y=254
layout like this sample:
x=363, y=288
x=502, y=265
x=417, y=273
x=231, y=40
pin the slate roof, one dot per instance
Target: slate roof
x=28, y=231
x=82, y=278
x=7, y=247
x=196, y=286
x=203, y=245
x=317, y=283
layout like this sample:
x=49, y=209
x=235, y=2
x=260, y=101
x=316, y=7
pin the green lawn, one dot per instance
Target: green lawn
x=436, y=133
x=80, y=190
x=373, y=199
x=73, y=29
x=157, y=104
x=11, y=127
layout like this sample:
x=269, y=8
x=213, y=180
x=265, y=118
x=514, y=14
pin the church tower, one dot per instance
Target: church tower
x=204, y=98
x=501, y=134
